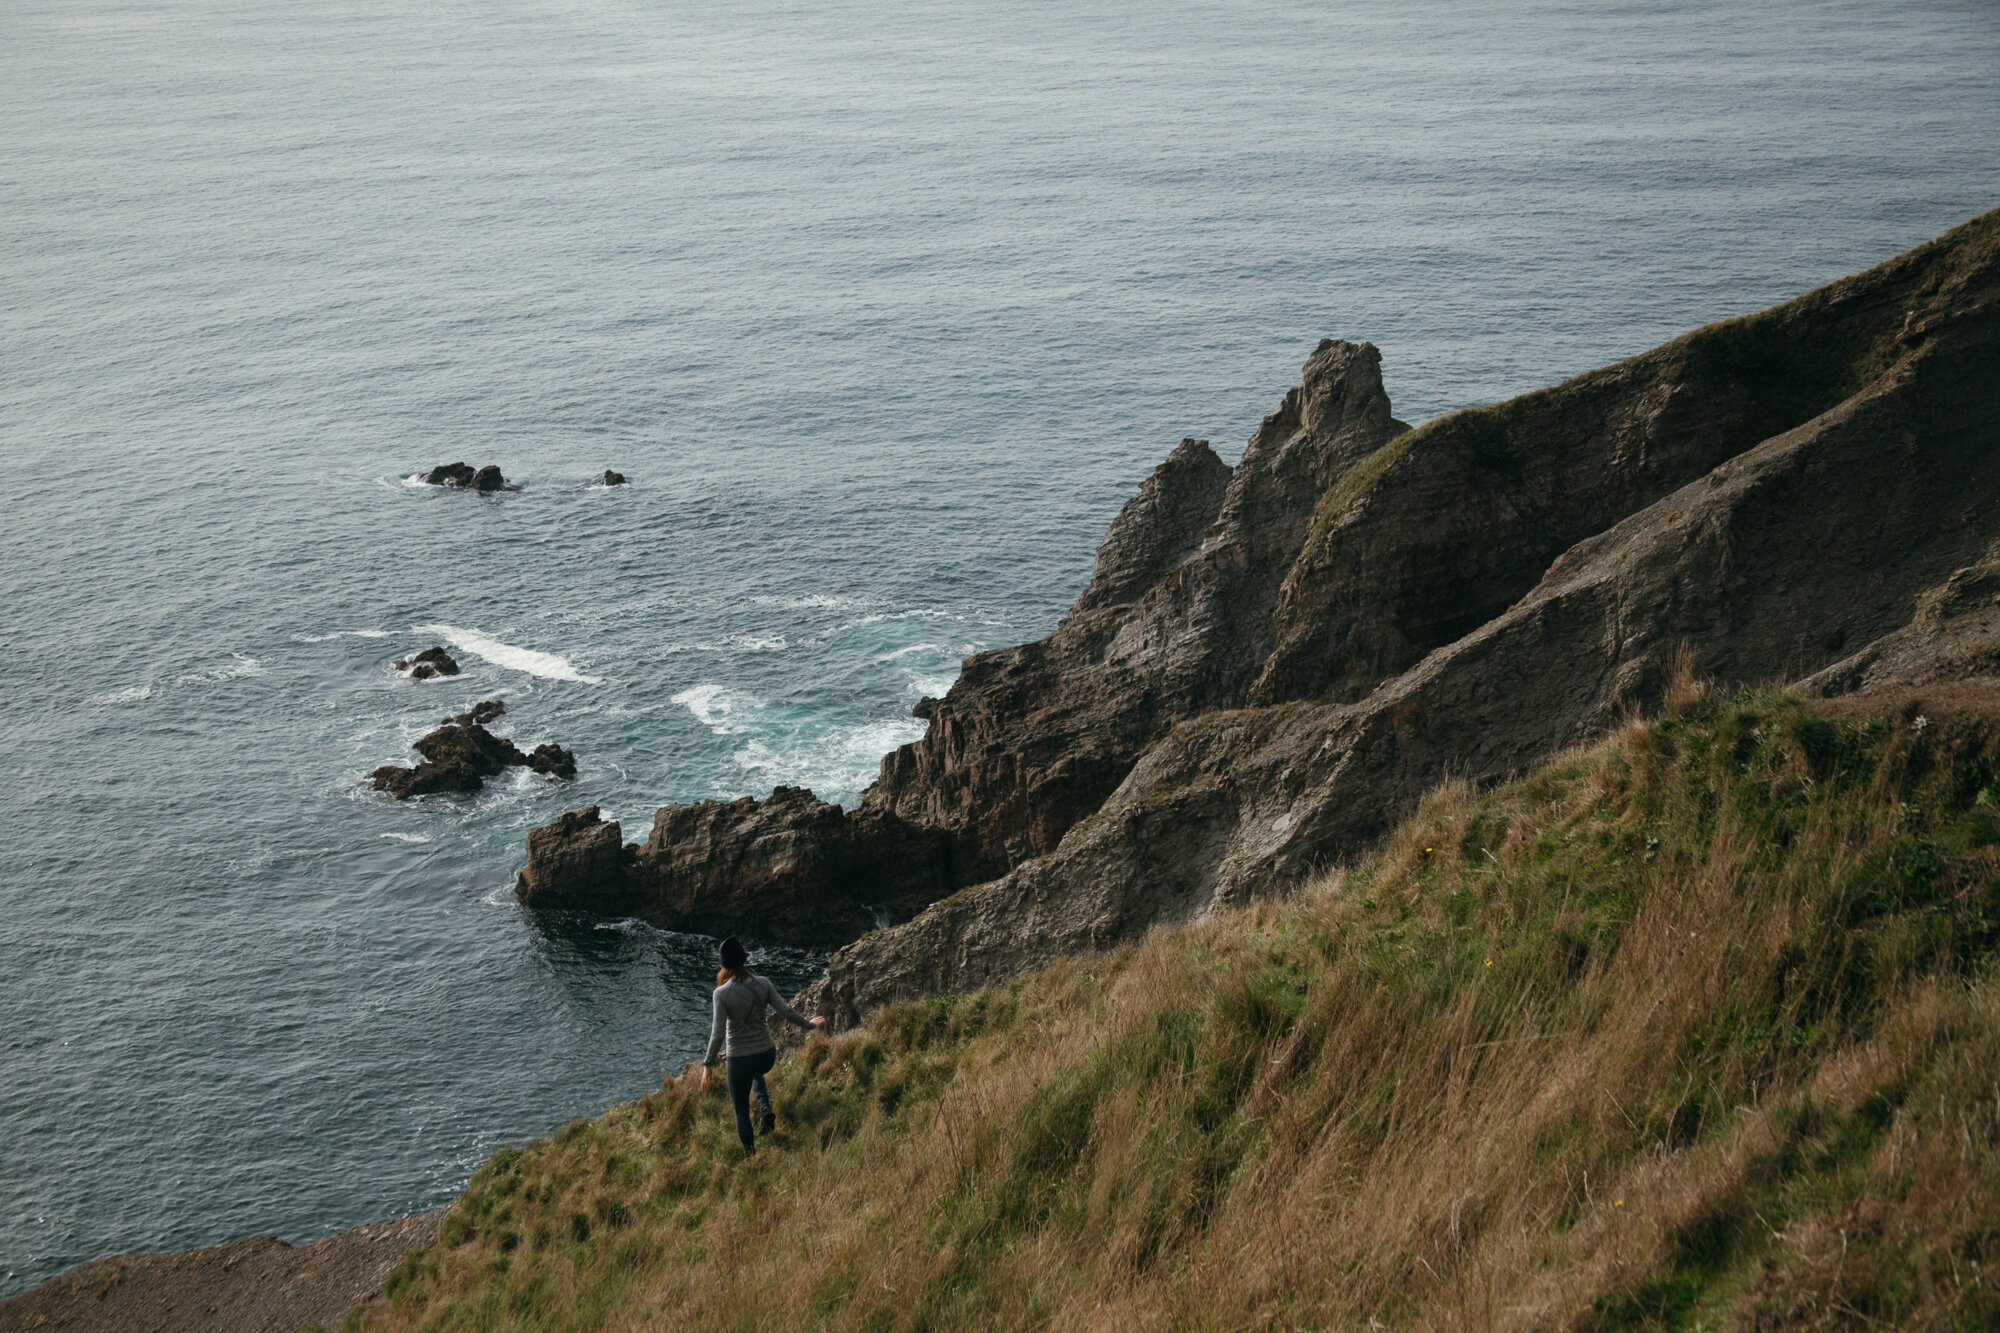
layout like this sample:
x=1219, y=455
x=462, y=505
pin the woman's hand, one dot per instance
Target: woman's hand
x=705, y=1072
x=819, y=1020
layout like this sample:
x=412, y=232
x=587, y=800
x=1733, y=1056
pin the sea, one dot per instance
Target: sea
x=884, y=309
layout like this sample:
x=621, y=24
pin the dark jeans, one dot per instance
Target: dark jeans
x=746, y=1073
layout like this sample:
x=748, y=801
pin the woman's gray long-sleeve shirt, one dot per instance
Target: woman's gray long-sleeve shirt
x=739, y=1015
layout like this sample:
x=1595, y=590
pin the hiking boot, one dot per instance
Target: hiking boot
x=767, y=1122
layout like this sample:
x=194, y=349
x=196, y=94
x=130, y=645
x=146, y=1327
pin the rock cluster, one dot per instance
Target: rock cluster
x=461, y=476
x=1273, y=662
x=428, y=663
x=791, y=868
x=461, y=754
x=613, y=478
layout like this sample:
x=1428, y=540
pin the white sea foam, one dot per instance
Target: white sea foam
x=735, y=643
x=815, y=602
x=131, y=694
x=932, y=687
x=722, y=710
x=835, y=763
x=784, y=746
x=341, y=634
x=407, y=837
x=935, y=649
x=527, y=660
x=243, y=665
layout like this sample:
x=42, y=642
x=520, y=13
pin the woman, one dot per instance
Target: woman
x=741, y=997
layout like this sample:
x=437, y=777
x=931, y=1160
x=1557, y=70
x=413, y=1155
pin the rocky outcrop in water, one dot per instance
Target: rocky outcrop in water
x=577, y=863
x=1275, y=661
x=462, y=476
x=613, y=478
x=788, y=870
x=428, y=663
x=461, y=754
x=553, y=760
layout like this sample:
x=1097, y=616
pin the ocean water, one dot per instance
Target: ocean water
x=883, y=308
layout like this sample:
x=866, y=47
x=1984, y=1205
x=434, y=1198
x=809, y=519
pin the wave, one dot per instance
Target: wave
x=131, y=694
x=836, y=763
x=934, y=649
x=408, y=837
x=341, y=634
x=243, y=665
x=785, y=746
x=932, y=687
x=546, y=665
x=719, y=708
x=815, y=602
x=735, y=643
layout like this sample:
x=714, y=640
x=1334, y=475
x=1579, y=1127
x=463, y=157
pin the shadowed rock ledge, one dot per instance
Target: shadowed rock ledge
x=1274, y=661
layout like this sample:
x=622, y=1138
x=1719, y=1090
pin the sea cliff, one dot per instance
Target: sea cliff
x=1273, y=662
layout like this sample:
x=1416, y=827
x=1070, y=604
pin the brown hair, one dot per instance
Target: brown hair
x=729, y=974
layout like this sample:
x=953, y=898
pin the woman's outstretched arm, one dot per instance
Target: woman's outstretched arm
x=778, y=1003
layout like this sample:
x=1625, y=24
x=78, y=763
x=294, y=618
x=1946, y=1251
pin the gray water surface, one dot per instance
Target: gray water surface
x=884, y=309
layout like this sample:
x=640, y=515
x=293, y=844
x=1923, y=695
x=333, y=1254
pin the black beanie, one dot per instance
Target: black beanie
x=733, y=956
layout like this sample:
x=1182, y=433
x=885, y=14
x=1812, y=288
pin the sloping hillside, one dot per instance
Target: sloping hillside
x=1698, y=1027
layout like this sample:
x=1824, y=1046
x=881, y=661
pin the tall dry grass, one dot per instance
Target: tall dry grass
x=1695, y=1028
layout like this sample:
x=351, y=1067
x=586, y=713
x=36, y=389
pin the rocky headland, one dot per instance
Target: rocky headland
x=1273, y=661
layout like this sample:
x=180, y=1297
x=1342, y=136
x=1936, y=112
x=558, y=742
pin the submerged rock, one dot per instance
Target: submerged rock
x=613, y=478
x=428, y=663
x=461, y=754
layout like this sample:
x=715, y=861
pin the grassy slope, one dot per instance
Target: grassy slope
x=1697, y=1028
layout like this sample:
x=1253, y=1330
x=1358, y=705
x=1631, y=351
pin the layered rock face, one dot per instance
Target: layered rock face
x=1273, y=662
x=1871, y=525
x=1177, y=621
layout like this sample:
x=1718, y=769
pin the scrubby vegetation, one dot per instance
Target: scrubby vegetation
x=1698, y=1027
